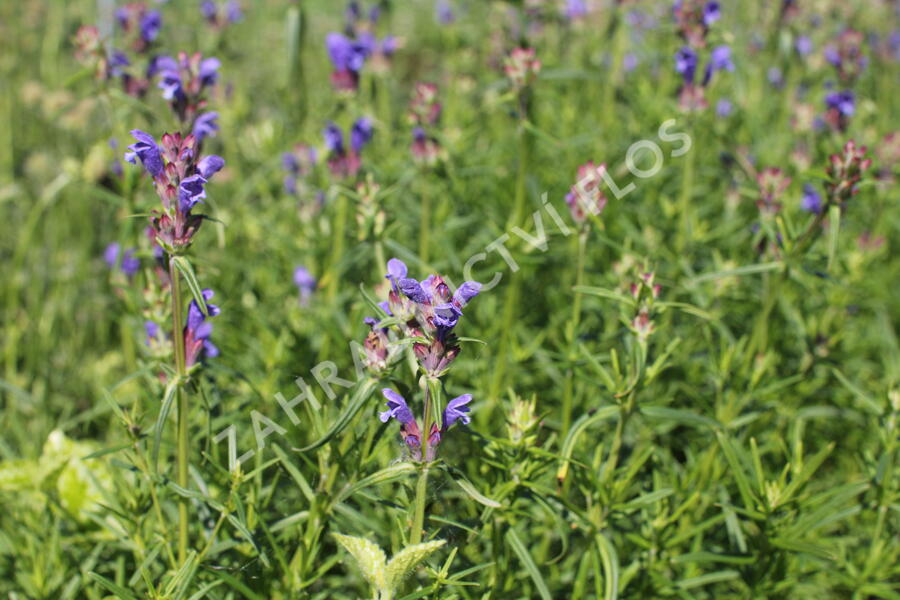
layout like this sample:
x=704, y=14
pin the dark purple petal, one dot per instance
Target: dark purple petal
x=190, y=192
x=361, y=133
x=396, y=269
x=304, y=280
x=334, y=138
x=146, y=149
x=711, y=13
x=686, y=63
x=209, y=71
x=811, y=200
x=340, y=50
x=413, y=290
x=150, y=25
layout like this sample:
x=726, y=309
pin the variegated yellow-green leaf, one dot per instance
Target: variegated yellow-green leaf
x=369, y=557
x=405, y=561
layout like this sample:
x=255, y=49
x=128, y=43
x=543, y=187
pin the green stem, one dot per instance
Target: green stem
x=685, y=233
x=415, y=535
x=571, y=332
x=182, y=444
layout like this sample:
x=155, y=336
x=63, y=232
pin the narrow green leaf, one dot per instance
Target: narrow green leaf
x=391, y=473
x=360, y=396
x=110, y=586
x=164, y=410
x=184, y=267
x=516, y=544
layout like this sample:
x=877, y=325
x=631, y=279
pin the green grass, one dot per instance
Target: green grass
x=746, y=449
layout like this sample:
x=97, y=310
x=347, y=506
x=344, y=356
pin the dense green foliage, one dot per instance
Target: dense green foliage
x=742, y=442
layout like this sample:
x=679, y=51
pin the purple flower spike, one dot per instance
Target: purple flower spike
x=208, y=10
x=233, y=12
x=361, y=133
x=457, y=410
x=152, y=331
x=811, y=201
x=210, y=165
x=803, y=45
x=145, y=149
x=444, y=12
x=397, y=408
x=206, y=126
x=724, y=107
x=198, y=330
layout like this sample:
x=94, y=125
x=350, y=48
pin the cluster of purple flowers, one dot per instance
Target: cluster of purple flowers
x=692, y=95
x=425, y=112
x=196, y=333
x=845, y=55
x=397, y=408
x=179, y=175
x=349, y=51
x=425, y=313
x=844, y=171
x=129, y=265
x=694, y=18
x=184, y=82
x=839, y=107
x=344, y=162
x=140, y=23
x=198, y=330
x=220, y=16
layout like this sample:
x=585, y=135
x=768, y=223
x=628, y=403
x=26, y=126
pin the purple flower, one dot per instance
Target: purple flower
x=723, y=107
x=775, y=77
x=150, y=25
x=209, y=71
x=305, y=283
x=397, y=408
x=334, y=138
x=686, y=63
x=130, y=263
x=206, y=126
x=466, y=292
x=190, y=192
x=457, y=410
x=158, y=64
x=576, y=9
x=630, y=62
x=111, y=255
x=444, y=12
x=844, y=102
x=117, y=63
x=360, y=133
x=152, y=331
x=811, y=200
x=803, y=45
x=147, y=151
x=396, y=271
x=198, y=330
x=210, y=165
x=233, y=11
x=208, y=10
x=719, y=60
x=711, y=13
x=346, y=54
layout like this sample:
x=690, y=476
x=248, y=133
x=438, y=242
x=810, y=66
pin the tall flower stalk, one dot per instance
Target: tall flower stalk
x=179, y=176
x=425, y=314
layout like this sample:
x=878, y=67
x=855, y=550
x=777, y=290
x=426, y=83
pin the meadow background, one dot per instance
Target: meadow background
x=743, y=446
